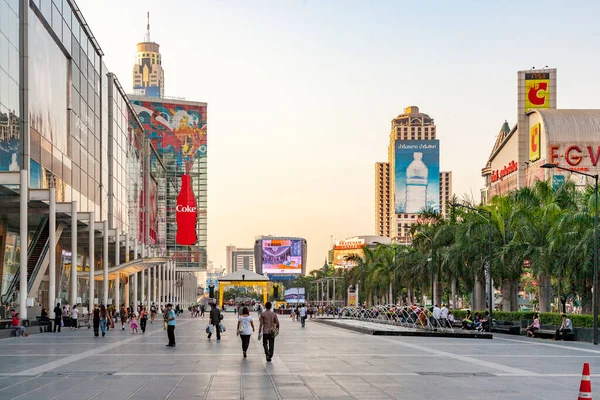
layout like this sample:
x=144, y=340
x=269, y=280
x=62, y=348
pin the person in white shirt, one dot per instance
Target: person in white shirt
x=437, y=315
x=444, y=316
x=303, y=315
x=74, y=317
x=244, y=325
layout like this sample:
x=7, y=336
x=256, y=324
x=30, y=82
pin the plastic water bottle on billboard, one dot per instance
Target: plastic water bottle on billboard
x=416, y=184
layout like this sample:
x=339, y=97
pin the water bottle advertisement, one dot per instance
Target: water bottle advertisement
x=417, y=174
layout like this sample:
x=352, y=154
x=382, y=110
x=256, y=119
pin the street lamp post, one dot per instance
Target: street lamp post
x=595, y=298
x=491, y=255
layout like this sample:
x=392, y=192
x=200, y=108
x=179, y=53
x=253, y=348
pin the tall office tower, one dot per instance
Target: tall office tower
x=445, y=192
x=382, y=199
x=415, y=182
x=148, y=73
x=238, y=259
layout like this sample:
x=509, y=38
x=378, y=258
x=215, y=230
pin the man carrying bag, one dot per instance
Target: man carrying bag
x=269, y=329
x=215, y=320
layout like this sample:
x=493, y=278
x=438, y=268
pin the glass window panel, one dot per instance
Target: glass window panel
x=75, y=50
x=57, y=163
x=76, y=153
x=35, y=145
x=67, y=13
x=66, y=36
x=13, y=103
x=46, y=9
x=83, y=92
x=75, y=102
x=4, y=89
x=57, y=22
x=4, y=59
x=66, y=171
x=13, y=59
x=46, y=153
x=4, y=17
x=76, y=178
x=90, y=99
x=84, y=183
x=13, y=28
x=59, y=5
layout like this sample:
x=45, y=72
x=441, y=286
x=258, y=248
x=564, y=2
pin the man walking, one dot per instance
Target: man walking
x=303, y=315
x=215, y=320
x=171, y=321
x=268, y=326
x=57, y=317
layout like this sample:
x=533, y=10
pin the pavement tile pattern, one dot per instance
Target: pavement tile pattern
x=316, y=362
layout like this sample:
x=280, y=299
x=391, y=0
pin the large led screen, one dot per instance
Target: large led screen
x=282, y=256
x=417, y=175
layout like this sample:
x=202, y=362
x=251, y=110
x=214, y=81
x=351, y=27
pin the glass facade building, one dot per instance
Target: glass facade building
x=68, y=122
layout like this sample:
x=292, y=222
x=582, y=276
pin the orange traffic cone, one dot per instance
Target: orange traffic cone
x=585, y=387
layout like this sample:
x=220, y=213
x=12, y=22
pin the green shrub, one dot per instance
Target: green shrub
x=579, y=320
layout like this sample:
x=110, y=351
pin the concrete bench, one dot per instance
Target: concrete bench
x=508, y=327
x=548, y=331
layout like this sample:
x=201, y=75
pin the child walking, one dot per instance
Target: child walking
x=134, y=326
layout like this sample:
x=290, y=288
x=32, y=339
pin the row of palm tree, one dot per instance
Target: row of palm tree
x=539, y=231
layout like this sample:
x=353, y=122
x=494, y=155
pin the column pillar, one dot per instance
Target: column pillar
x=105, y=263
x=143, y=287
x=117, y=262
x=126, y=294
x=52, y=254
x=160, y=286
x=135, y=276
x=73, y=297
x=23, y=237
x=154, y=284
x=92, y=260
x=149, y=288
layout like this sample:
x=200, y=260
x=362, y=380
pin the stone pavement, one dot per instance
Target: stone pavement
x=317, y=362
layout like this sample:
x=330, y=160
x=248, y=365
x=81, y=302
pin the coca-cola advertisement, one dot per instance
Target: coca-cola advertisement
x=186, y=213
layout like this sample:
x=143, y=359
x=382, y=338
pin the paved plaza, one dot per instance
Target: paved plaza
x=317, y=362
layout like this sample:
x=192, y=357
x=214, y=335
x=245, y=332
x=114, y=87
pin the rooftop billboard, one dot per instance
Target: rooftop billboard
x=281, y=256
x=417, y=175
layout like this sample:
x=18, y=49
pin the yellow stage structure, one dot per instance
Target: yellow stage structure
x=243, y=278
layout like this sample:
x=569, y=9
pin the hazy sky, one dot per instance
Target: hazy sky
x=301, y=93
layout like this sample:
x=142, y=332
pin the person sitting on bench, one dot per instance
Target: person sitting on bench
x=565, y=329
x=17, y=327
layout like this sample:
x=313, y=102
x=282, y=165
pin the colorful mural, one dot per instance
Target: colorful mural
x=177, y=129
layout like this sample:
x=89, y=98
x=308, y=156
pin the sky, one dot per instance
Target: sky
x=301, y=93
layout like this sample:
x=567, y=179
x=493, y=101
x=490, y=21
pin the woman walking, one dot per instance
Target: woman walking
x=74, y=317
x=104, y=318
x=96, y=319
x=143, y=319
x=243, y=328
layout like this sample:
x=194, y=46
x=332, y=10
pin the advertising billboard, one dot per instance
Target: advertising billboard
x=281, y=256
x=537, y=90
x=177, y=129
x=295, y=295
x=346, y=248
x=417, y=175
x=534, y=143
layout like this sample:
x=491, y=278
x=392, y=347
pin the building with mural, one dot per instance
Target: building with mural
x=81, y=219
x=177, y=130
x=569, y=138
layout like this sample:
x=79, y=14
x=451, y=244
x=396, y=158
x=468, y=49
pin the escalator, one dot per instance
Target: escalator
x=35, y=255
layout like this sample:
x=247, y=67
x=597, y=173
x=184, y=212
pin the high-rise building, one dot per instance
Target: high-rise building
x=238, y=259
x=382, y=199
x=148, y=73
x=400, y=192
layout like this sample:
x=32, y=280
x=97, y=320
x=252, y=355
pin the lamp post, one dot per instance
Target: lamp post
x=490, y=243
x=595, y=298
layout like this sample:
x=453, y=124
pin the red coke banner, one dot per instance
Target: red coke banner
x=186, y=214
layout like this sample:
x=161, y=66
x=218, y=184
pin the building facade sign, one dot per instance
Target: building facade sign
x=504, y=172
x=186, y=214
x=575, y=155
x=534, y=143
x=537, y=90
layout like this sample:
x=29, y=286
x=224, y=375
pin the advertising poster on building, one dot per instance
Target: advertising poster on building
x=282, y=256
x=178, y=130
x=152, y=210
x=537, y=90
x=347, y=248
x=534, y=143
x=417, y=174
x=295, y=295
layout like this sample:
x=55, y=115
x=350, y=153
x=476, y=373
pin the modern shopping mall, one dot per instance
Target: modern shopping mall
x=79, y=177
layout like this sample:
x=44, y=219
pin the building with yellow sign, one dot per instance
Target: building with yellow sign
x=543, y=134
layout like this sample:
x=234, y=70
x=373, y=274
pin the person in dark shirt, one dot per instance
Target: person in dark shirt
x=96, y=320
x=215, y=320
x=57, y=317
